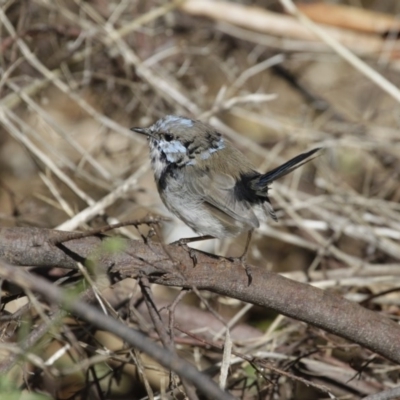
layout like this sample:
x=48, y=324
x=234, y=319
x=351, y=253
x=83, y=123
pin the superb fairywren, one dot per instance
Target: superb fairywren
x=206, y=182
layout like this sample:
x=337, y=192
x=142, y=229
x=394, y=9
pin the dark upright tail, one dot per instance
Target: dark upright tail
x=261, y=182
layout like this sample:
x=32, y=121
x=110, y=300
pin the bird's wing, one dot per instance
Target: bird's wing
x=218, y=193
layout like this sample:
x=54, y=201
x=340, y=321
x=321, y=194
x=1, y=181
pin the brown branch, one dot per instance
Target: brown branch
x=135, y=338
x=149, y=220
x=257, y=19
x=323, y=309
x=42, y=329
x=159, y=325
x=251, y=359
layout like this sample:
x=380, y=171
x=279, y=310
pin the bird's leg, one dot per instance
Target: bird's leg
x=246, y=249
x=185, y=241
x=243, y=257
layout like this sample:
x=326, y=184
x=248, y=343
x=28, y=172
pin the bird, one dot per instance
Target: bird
x=204, y=180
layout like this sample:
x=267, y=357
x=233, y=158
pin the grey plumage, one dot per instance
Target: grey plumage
x=206, y=182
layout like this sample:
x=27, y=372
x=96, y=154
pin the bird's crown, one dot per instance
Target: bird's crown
x=182, y=140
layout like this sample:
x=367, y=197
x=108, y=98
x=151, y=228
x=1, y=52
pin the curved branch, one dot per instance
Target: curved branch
x=323, y=309
x=135, y=338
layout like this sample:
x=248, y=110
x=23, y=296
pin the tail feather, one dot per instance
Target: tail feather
x=261, y=182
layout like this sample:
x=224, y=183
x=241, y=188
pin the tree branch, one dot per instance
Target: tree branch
x=323, y=309
x=90, y=314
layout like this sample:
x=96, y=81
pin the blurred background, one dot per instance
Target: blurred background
x=76, y=75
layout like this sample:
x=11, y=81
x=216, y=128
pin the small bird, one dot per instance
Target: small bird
x=208, y=183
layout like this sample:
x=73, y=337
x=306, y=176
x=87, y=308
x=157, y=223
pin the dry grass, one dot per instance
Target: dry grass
x=76, y=75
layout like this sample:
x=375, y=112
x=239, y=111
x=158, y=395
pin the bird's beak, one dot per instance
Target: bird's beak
x=142, y=131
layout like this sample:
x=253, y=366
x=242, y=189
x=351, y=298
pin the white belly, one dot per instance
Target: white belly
x=198, y=216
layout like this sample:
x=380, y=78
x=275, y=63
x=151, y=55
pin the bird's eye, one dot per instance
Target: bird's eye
x=168, y=137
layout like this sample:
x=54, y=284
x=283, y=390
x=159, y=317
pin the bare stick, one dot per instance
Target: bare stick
x=104, y=322
x=345, y=53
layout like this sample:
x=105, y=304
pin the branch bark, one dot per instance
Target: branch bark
x=175, y=267
x=135, y=338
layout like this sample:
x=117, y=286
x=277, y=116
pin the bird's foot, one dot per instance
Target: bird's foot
x=184, y=243
x=242, y=261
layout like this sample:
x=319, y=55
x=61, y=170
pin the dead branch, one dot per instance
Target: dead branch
x=323, y=309
x=258, y=19
x=102, y=321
